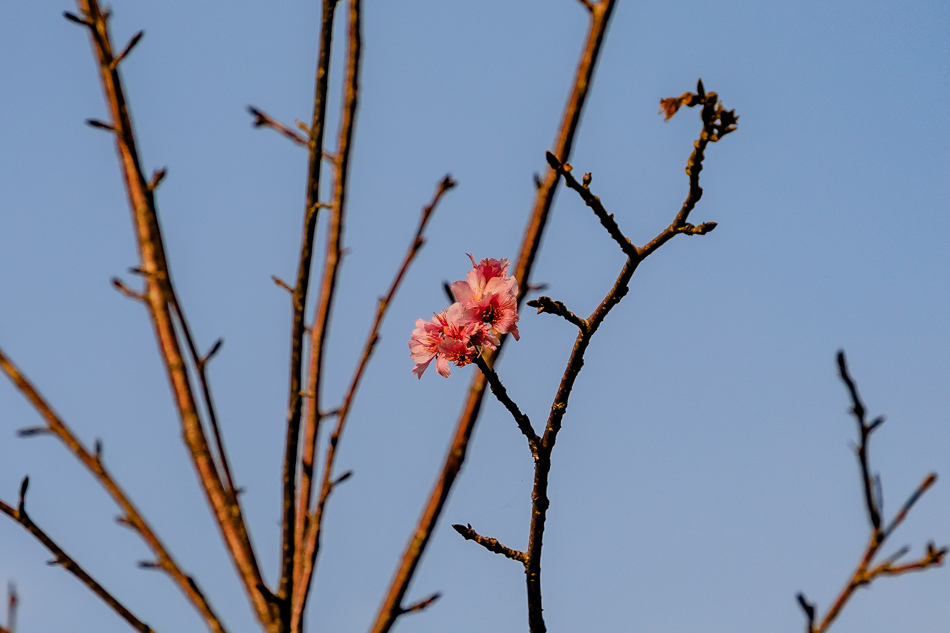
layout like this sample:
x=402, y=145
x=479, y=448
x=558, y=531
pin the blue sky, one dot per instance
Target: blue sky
x=704, y=474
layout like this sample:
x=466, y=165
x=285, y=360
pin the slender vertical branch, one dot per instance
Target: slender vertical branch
x=866, y=572
x=391, y=608
x=544, y=446
x=292, y=524
x=304, y=560
x=162, y=304
x=311, y=543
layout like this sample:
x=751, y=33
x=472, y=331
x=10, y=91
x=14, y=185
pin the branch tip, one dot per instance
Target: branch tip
x=100, y=125
x=447, y=289
x=808, y=608
x=125, y=290
x=128, y=48
x=56, y=560
x=24, y=484
x=447, y=183
x=262, y=119
x=157, y=177
x=214, y=350
x=422, y=604
x=282, y=284
x=75, y=18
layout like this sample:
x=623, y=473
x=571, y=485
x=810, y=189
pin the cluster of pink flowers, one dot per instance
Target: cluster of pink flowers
x=486, y=306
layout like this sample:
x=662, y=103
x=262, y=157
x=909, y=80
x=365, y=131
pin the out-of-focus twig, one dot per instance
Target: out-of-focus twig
x=866, y=572
x=62, y=559
x=13, y=601
x=262, y=119
x=130, y=513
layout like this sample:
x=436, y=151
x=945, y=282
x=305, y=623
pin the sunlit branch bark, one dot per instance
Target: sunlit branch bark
x=164, y=307
x=292, y=524
x=491, y=544
x=311, y=543
x=307, y=546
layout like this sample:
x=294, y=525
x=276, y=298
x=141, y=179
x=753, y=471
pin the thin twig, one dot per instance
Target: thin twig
x=293, y=525
x=201, y=364
x=13, y=601
x=262, y=119
x=549, y=305
x=592, y=201
x=311, y=542
x=119, y=285
x=491, y=544
x=130, y=513
x=717, y=122
x=128, y=48
x=524, y=424
x=301, y=566
x=423, y=604
x=539, y=495
x=864, y=573
x=62, y=559
x=864, y=431
x=389, y=610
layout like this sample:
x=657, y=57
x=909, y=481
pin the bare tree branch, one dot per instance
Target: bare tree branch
x=131, y=515
x=491, y=544
x=311, y=542
x=62, y=559
x=865, y=573
x=524, y=424
x=305, y=556
x=389, y=610
x=262, y=119
x=164, y=310
x=292, y=525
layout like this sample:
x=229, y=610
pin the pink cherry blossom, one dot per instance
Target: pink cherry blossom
x=487, y=306
x=424, y=343
x=490, y=294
